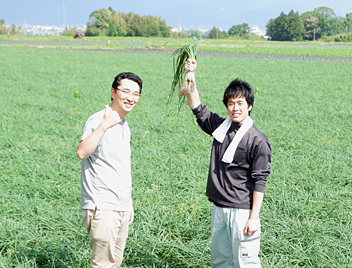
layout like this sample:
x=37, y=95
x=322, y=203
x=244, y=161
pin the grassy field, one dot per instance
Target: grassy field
x=47, y=95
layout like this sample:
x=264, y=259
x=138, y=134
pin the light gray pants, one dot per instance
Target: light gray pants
x=230, y=248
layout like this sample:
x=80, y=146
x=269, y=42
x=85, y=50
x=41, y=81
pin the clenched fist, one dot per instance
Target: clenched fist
x=111, y=118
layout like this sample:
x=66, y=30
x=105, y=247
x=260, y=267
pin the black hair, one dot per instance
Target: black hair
x=238, y=88
x=129, y=76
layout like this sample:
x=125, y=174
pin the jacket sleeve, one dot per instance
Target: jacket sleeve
x=261, y=164
x=206, y=119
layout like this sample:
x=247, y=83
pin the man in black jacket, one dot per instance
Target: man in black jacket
x=239, y=166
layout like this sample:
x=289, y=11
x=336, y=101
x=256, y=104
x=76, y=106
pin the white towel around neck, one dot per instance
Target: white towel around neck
x=220, y=133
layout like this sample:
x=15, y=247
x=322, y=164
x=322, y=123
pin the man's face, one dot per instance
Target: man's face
x=126, y=96
x=238, y=108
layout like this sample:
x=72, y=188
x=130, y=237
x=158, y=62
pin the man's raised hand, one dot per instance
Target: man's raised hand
x=111, y=118
x=190, y=65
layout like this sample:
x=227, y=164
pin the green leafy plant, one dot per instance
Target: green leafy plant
x=183, y=81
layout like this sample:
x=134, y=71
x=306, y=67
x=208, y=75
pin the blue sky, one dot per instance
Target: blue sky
x=191, y=14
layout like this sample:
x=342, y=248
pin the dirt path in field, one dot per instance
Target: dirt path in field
x=139, y=47
x=232, y=55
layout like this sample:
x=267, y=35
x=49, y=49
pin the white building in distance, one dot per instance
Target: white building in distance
x=42, y=30
x=256, y=31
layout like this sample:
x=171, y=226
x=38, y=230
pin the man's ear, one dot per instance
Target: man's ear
x=113, y=92
x=250, y=108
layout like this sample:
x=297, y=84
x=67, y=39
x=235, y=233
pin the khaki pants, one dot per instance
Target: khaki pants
x=230, y=248
x=108, y=232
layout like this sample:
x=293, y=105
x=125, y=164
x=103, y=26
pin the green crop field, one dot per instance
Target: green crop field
x=46, y=96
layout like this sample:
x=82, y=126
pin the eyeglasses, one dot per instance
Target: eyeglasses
x=126, y=93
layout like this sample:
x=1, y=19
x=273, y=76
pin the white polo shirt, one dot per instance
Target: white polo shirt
x=106, y=174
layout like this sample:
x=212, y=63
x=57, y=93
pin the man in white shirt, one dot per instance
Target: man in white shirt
x=106, y=187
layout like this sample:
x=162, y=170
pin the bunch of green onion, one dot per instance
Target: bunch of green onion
x=185, y=82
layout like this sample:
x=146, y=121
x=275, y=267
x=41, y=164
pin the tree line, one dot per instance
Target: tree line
x=108, y=22
x=320, y=23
